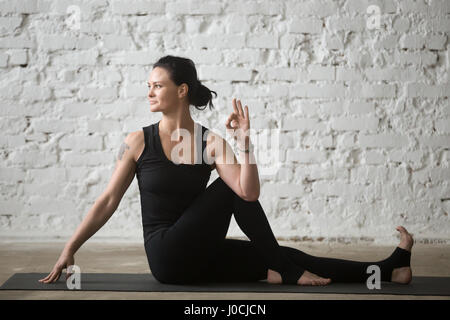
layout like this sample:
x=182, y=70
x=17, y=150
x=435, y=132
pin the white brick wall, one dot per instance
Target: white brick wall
x=363, y=113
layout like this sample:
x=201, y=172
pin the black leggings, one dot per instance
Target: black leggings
x=194, y=249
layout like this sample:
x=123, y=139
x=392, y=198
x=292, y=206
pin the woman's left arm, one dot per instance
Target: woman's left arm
x=249, y=170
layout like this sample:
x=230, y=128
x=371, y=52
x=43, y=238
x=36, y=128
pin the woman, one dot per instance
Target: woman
x=185, y=223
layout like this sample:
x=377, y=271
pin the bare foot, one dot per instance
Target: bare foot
x=307, y=279
x=403, y=275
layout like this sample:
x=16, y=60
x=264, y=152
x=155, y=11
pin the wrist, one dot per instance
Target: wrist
x=69, y=250
x=243, y=143
x=247, y=147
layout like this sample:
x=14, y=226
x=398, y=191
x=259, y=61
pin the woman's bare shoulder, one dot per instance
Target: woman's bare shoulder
x=137, y=143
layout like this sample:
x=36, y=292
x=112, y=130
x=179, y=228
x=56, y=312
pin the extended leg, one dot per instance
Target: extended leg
x=340, y=270
x=395, y=268
x=239, y=261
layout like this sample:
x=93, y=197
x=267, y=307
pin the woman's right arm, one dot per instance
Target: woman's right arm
x=104, y=206
x=96, y=217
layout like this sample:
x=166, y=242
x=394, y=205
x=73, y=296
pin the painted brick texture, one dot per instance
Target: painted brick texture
x=358, y=92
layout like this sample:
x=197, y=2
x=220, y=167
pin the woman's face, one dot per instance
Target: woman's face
x=163, y=93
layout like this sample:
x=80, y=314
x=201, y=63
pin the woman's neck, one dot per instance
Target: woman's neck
x=169, y=125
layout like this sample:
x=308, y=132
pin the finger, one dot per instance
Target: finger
x=68, y=274
x=45, y=278
x=231, y=121
x=234, y=106
x=57, y=278
x=241, y=112
x=228, y=122
x=232, y=125
x=50, y=278
x=246, y=113
x=55, y=275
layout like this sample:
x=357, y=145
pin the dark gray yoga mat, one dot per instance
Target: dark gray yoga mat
x=422, y=286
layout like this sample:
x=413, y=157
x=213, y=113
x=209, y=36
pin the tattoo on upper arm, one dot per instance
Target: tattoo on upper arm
x=122, y=150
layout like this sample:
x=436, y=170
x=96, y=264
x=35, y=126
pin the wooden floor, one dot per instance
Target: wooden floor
x=427, y=260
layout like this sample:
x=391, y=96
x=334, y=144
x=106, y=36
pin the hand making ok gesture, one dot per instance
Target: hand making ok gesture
x=239, y=123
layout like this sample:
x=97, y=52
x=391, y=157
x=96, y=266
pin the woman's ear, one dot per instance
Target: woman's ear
x=182, y=90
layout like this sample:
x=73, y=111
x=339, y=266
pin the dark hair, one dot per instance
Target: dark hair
x=182, y=70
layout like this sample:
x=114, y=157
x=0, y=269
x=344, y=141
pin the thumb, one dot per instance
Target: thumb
x=68, y=271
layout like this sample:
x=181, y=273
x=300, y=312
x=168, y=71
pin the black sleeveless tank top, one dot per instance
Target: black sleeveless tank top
x=166, y=188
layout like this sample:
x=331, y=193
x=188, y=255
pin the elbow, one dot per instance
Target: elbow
x=251, y=198
x=251, y=195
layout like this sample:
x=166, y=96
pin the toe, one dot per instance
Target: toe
x=402, y=229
